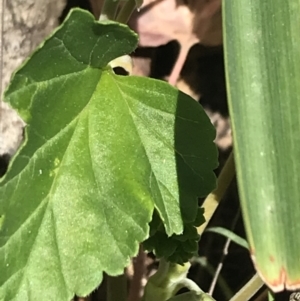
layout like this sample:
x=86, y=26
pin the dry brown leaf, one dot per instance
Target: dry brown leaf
x=207, y=22
x=189, y=22
x=160, y=22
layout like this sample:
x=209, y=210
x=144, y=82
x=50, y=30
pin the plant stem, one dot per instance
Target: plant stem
x=161, y=272
x=211, y=203
x=116, y=288
x=225, y=253
x=109, y=10
x=226, y=290
x=166, y=282
x=139, y=268
x=126, y=11
x=189, y=284
x=249, y=289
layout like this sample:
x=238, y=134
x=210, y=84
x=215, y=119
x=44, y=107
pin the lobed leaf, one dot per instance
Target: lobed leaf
x=101, y=151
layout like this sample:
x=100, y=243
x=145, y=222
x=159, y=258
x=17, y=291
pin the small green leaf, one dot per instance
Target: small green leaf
x=199, y=218
x=101, y=151
x=177, y=248
x=163, y=245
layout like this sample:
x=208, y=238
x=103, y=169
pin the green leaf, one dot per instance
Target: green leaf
x=262, y=45
x=176, y=248
x=199, y=218
x=231, y=235
x=101, y=151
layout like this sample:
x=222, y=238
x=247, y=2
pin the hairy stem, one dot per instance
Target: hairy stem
x=162, y=271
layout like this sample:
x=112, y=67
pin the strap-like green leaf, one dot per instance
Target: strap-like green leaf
x=231, y=235
x=262, y=44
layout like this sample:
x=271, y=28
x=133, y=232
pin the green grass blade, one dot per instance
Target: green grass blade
x=231, y=235
x=262, y=52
